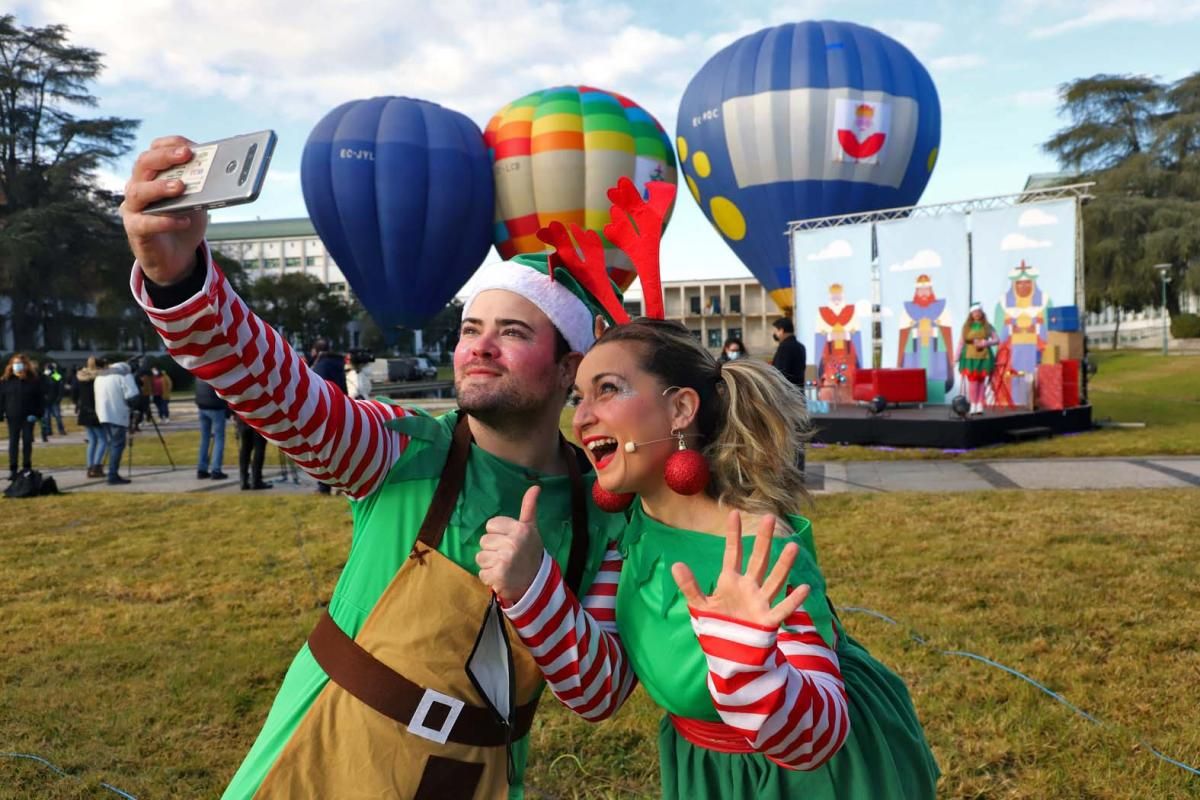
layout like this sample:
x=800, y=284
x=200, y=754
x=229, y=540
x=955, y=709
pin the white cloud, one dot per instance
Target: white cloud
x=838, y=248
x=470, y=56
x=1036, y=98
x=1101, y=12
x=923, y=259
x=1019, y=241
x=1034, y=217
x=958, y=62
x=917, y=35
x=109, y=180
x=284, y=177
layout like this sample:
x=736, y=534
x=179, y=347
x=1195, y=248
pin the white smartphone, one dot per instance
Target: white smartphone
x=226, y=172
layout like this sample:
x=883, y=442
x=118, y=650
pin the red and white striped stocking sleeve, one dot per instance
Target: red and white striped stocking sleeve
x=576, y=645
x=215, y=336
x=781, y=689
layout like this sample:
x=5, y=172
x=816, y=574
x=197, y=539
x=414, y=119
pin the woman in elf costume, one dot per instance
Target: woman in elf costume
x=975, y=357
x=766, y=694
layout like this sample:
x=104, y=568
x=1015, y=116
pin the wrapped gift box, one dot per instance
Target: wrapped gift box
x=1050, y=386
x=1064, y=318
x=1070, y=345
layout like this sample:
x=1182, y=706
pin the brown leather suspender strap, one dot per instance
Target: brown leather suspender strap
x=445, y=496
x=577, y=560
x=379, y=686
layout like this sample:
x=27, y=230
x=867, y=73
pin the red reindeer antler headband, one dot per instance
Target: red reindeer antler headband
x=636, y=228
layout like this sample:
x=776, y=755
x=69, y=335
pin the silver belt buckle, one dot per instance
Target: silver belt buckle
x=417, y=724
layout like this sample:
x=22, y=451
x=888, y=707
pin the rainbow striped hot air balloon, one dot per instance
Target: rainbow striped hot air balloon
x=557, y=151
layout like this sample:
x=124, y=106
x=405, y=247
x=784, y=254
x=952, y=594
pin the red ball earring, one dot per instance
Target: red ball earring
x=610, y=502
x=686, y=471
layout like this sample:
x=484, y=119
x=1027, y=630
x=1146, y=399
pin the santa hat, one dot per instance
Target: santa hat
x=570, y=307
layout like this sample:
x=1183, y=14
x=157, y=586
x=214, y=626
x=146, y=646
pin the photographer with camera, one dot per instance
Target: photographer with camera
x=116, y=391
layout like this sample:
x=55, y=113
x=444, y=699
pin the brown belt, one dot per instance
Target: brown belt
x=424, y=712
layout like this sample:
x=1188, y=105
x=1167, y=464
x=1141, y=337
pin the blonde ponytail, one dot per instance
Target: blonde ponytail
x=758, y=437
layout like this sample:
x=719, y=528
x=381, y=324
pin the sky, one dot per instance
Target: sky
x=213, y=69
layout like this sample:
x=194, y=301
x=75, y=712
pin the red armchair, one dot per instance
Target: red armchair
x=897, y=385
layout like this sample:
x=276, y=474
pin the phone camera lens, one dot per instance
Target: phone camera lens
x=246, y=162
x=230, y=167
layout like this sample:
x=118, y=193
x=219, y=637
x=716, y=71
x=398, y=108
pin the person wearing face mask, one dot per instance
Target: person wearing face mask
x=22, y=403
x=733, y=350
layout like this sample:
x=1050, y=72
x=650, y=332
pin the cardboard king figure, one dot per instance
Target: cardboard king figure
x=838, y=346
x=926, y=340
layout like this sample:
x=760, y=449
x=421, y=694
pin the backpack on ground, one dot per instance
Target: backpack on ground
x=31, y=483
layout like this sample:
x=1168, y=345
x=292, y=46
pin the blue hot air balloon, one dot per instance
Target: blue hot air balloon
x=805, y=120
x=400, y=192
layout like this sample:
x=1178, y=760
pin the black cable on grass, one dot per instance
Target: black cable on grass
x=64, y=773
x=989, y=662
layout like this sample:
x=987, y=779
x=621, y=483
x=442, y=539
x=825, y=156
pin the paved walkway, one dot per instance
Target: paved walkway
x=961, y=475
x=1163, y=472
x=949, y=475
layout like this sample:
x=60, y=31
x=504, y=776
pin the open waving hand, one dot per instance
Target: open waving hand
x=746, y=596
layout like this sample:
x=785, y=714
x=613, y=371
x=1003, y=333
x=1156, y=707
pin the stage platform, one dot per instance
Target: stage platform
x=938, y=427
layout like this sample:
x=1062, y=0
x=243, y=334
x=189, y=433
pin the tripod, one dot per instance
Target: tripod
x=135, y=418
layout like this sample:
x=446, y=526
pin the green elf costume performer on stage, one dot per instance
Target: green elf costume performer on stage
x=406, y=689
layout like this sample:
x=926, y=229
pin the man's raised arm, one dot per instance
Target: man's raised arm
x=211, y=332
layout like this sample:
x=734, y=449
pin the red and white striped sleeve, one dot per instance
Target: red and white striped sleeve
x=781, y=689
x=215, y=336
x=576, y=645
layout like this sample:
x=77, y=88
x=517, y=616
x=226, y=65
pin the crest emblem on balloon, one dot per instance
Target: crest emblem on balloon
x=556, y=152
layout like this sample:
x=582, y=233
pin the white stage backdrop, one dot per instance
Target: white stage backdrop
x=1023, y=263
x=833, y=300
x=924, y=273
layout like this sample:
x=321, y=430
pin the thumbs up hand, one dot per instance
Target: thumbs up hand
x=511, y=551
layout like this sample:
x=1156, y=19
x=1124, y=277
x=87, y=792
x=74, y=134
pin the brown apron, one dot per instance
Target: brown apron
x=399, y=717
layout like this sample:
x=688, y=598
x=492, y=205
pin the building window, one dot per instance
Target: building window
x=714, y=337
x=340, y=288
x=633, y=308
x=695, y=333
x=694, y=304
x=310, y=261
x=735, y=304
x=291, y=262
x=735, y=333
x=271, y=263
x=714, y=304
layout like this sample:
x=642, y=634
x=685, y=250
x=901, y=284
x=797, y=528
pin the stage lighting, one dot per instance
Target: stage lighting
x=878, y=404
x=961, y=405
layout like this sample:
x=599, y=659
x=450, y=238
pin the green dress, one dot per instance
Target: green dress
x=885, y=754
x=385, y=526
x=977, y=362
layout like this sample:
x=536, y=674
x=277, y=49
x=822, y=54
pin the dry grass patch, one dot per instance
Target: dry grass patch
x=144, y=639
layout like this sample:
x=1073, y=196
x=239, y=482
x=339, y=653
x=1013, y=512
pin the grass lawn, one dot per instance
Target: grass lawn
x=143, y=642
x=1130, y=386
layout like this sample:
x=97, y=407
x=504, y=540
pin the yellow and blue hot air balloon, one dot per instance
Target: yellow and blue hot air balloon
x=400, y=192
x=557, y=152
x=805, y=120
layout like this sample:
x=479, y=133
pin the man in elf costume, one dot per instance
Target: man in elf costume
x=1021, y=313
x=407, y=687
x=926, y=340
